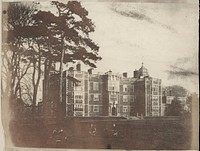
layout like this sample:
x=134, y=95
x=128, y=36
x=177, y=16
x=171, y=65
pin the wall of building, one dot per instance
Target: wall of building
x=156, y=101
x=113, y=88
x=139, y=93
x=109, y=94
x=126, y=96
x=78, y=94
x=95, y=95
x=148, y=97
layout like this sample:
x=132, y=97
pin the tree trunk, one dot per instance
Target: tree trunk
x=6, y=118
x=36, y=83
x=61, y=76
x=60, y=114
x=47, y=68
x=34, y=100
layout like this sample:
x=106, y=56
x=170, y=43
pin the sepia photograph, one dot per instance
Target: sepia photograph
x=120, y=75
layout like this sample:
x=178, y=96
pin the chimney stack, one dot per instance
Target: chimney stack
x=78, y=67
x=90, y=71
x=125, y=74
x=135, y=74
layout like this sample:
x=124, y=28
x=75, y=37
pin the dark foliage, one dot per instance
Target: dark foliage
x=175, y=90
x=175, y=108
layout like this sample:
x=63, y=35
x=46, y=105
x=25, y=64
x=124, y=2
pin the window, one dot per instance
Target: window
x=91, y=85
x=132, y=98
x=155, y=98
x=79, y=106
x=125, y=98
x=78, y=86
x=78, y=101
x=155, y=93
x=91, y=97
x=155, y=109
x=95, y=108
x=155, y=103
x=78, y=97
x=96, y=97
x=113, y=97
x=96, y=86
x=155, y=82
x=113, y=77
x=90, y=108
x=125, y=109
x=111, y=88
x=155, y=90
x=125, y=88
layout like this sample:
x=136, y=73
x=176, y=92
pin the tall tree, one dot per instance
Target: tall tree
x=68, y=34
x=15, y=64
x=175, y=108
x=175, y=90
x=14, y=53
x=44, y=38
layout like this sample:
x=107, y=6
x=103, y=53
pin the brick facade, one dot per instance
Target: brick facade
x=108, y=94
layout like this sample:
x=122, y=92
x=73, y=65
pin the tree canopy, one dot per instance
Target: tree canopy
x=38, y=38
x=175, y=90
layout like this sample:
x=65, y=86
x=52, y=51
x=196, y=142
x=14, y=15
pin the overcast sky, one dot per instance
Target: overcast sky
x=162, y=35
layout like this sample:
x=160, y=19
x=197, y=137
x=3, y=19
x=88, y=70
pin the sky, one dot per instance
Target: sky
x=164, y=36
